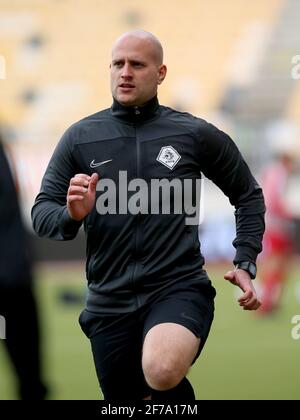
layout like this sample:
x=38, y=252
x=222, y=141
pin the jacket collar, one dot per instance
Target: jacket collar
x=135, y=114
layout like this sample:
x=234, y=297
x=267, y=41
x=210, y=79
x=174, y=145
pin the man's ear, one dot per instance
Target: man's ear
x=161, y=73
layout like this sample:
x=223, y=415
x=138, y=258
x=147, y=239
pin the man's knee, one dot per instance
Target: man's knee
x=163, y=374
x=168, y=352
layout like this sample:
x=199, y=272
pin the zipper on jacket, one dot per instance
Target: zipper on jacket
x=138, y=216
x=136, y=110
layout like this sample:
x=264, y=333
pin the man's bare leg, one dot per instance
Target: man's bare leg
x=168, y=352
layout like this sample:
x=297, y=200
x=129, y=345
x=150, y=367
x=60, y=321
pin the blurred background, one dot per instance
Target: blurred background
x=233, y=63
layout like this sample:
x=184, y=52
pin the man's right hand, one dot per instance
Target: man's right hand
x=81, y=195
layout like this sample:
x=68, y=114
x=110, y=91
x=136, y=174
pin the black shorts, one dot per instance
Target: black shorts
x=117, y=340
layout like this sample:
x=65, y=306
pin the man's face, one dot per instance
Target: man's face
x=135, y=71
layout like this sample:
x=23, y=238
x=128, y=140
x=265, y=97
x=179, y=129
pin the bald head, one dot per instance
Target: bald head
x=136, y=67
x=144, y=37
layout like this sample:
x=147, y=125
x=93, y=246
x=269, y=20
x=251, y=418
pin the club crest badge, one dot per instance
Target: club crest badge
x=168, y=156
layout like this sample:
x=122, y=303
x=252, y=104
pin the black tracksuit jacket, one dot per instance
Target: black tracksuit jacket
x=131, y=258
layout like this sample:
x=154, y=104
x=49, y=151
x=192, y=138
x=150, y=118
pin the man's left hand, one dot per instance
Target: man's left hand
x=249, y=300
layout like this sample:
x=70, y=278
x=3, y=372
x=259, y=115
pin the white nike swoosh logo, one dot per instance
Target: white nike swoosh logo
x=95, y=165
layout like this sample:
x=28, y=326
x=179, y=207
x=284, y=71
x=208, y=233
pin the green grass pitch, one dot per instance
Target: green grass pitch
x=245, y=357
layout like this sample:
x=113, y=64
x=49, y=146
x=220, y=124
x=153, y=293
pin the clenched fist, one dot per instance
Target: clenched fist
x=81, y=195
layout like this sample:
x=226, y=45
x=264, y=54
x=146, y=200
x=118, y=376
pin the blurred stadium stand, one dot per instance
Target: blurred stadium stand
x=229, y=62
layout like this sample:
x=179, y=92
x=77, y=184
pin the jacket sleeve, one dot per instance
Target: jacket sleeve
x=222, y=162
x=49, y=214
